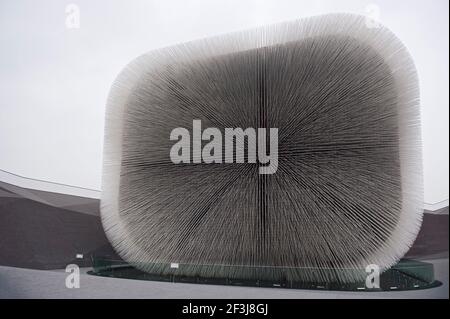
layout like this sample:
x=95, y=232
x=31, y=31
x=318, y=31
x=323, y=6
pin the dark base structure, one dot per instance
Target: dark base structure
x=406, y=275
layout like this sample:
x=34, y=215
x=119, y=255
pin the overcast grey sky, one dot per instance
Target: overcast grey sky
x=54, y=80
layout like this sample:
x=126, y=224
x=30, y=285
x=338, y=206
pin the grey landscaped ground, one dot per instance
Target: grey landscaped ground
x=41, y=230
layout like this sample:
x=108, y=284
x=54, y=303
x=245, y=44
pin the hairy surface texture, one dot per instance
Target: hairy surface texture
x=348, y=190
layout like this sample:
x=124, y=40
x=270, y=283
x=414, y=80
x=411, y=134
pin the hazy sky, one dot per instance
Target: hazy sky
x=54, y=80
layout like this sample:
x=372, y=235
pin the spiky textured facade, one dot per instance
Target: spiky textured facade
x=348, y=190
